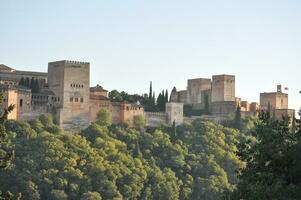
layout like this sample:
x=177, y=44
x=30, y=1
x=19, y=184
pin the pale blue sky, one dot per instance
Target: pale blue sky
x=130, y=42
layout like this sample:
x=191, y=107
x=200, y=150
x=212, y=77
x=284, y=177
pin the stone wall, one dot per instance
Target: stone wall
x=223, y=108
x=154, y=119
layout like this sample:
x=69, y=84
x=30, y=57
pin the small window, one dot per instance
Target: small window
x=21, y=102
x=70, y=85
x=76, y=99
x=82, y=100
x=71, y=99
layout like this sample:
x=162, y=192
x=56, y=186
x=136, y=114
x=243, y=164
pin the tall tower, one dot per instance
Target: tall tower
x=223, y=95
x=196, y=90
x=70, y=81
x=223, y=88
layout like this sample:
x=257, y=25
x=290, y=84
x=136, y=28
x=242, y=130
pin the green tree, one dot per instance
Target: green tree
x=150, y=92
x=115, y=96
x=58, y=195
x=27, y=82
x=206, y=104
x=22, y=81
x=32, y=84
x=104, y=117
x=91, y=196
x=174, y=130
x=6, y=151
x=237, y=120
x=138, y=122
x=166, y=97
x=273, y=167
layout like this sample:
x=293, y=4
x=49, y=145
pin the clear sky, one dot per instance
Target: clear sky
x=130, y=42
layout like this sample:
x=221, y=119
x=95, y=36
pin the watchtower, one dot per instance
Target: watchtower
x=70, y=81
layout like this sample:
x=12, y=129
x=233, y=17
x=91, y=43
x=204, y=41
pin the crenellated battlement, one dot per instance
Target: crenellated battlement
x=70, y=62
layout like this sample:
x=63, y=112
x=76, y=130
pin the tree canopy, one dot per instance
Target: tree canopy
x=121, y=162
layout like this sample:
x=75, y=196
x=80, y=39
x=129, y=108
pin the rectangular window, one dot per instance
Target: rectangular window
x=82, y=100
x=71, y=99
x=76, y=99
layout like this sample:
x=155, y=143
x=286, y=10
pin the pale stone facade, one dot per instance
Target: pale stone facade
x=223, y=88
x=277, y=103
x=18, y=96
x=277, y=100
x=66, y=94
x=10, y=76
x=70, y=82
x=123, y=112
x=174, y=113
x=197, y=90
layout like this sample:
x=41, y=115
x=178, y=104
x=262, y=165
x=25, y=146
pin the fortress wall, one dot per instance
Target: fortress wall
x=223, y=108
x=154, y=119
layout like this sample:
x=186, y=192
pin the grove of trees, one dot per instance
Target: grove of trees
x=107, y=161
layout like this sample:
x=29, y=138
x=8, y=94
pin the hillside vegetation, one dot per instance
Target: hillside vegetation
x=104, y=161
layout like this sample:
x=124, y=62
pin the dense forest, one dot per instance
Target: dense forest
x=202, y=160
x=104, y=161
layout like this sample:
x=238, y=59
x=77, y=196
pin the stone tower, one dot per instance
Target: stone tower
x=223, y=95
x=174, y=112
x=276, y=100
x=196, y=91
x=70, y=81
x=223, y=88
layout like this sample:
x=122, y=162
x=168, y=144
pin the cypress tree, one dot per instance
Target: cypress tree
x=27, y=82
x=153, y=102
x=206, y=99
x=294, y=128
x=166, y=96
x=150, y=91
x=174, y=130
x=237, y=119
x=22, y=81
x=159, y=101
x=36, y=86
x=162, y=106
x=32, y=86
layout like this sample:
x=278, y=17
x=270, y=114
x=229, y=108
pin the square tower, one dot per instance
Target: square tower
x=276, y=100
x=196, y=92
x=174, y=113
x=223, y=88
x=70, y=82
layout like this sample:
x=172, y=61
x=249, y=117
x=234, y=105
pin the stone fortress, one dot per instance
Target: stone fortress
x=65, y=92
x=217, y=98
